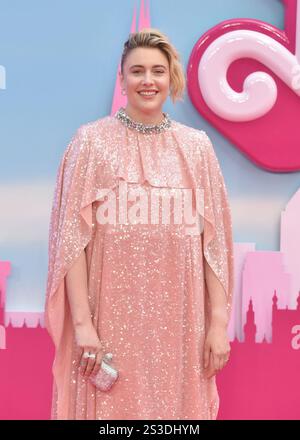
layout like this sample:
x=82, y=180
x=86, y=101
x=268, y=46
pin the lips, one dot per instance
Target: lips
x=148, y=97
x=147, y=90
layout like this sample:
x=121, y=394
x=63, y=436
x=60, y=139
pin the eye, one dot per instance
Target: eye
x=157, y=71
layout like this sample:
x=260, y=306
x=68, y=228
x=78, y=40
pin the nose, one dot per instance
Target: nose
x=147, y=78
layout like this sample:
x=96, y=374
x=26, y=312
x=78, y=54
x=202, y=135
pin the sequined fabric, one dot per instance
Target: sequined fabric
x=146, y=284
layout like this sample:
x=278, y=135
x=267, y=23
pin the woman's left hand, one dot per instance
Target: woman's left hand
x=216, y=350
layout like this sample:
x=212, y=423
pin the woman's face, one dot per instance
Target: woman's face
x=146, y=69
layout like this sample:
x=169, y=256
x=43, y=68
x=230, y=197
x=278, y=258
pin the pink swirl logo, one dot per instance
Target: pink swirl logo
x=244, y=77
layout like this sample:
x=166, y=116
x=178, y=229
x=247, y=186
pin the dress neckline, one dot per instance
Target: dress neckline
x=122, y=116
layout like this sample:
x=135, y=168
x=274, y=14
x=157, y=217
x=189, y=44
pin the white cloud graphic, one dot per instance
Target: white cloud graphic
x=26, y=207
x=259, y=214
x=25, y=212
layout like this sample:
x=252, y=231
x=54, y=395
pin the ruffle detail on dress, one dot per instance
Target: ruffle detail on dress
x=158, y=159
x=217, y=237
x=77, y=184
x=191, y=164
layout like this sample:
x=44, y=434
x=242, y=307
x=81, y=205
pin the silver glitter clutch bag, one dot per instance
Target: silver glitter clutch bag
x=107, y=374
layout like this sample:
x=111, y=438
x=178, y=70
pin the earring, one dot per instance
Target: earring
x=123, y=92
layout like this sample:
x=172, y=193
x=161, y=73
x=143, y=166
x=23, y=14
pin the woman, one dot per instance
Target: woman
x=156, y=294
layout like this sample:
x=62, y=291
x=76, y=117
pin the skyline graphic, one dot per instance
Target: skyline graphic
x=258, y=275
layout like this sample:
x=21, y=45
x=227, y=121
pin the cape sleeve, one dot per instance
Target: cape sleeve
x=69, y=230
x=217, y=238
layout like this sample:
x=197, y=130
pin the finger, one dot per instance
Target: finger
x=84, y=362
x=90, y=364
x=224, y=361
x=97, y=364
x=216, y=362
x=209, y=369
x=209, y=372
x=221, y=365
x=210, y=375
x=206, y=356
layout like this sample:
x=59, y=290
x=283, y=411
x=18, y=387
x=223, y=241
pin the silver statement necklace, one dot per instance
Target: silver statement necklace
x=140, y=126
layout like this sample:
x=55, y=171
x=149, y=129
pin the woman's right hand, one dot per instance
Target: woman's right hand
x=88, y=341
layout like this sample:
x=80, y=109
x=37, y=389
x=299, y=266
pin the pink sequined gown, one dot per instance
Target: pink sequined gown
x=146, y=286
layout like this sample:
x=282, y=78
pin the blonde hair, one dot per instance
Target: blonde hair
x=151, y=37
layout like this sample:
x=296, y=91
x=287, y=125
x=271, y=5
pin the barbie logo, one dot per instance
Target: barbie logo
x=247, y=71
x=135, y=204
x=295, y=343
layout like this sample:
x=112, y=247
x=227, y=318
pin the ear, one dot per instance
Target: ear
x=121, y=79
